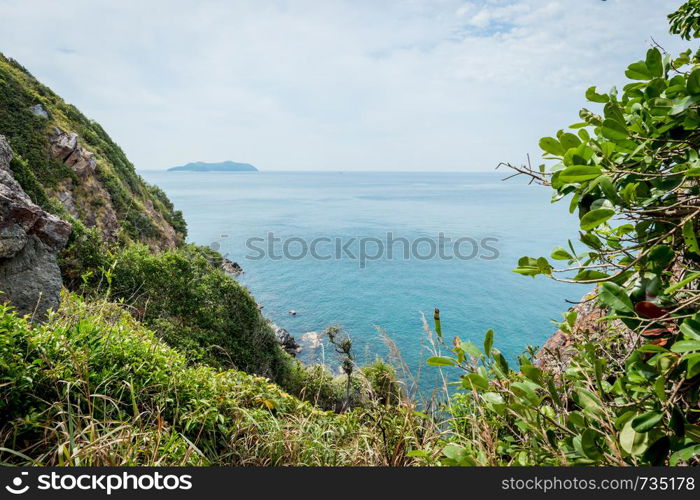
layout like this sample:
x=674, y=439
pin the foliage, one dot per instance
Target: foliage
x=91, y=386
x=342, y=344
x=686, y=20
x=632, y=174
x=375, y=384
x=192, y=305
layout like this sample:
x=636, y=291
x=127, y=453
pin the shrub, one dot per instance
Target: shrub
x=91, y=386
x=631, y=395
x=192, y=305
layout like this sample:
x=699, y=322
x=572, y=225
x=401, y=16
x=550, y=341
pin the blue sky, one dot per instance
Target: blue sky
x=441, y=85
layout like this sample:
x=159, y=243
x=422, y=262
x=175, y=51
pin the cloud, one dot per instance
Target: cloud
x=418, y=85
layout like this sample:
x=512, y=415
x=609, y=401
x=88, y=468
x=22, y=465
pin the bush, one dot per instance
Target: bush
x=630, y=395
x=193, y=306
x=91, y=386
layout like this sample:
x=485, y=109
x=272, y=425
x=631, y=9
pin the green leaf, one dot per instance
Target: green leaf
x=595, y=218
x=638, y=71
x=693, y=84
x=693, y=360
x=579, y=173
x=683, y=104
x=589, y=446
x=608, y=189
x=589, y=401
x=691, y=329
x=552, y=146
x=657, y=453
x=440, y=361
x=634, y=443
x=470, y=349
x=476, y=381
x=614, y=130
x=689, y=236
x=590, y=275
x=525, y=390
x=569, y=140
x=561, y=254
x=493, y=398
x=654, y=62
x=488, y=342
x=647, y=421
x=686, y=346
x=616, y=297
x=693, y=432
x=593, y=96
x=685, y=454
x=682, y=283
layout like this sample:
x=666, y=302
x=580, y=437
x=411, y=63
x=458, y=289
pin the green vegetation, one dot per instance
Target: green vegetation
x=194, y=306
x=92, y=386
x=631, y=395
x=145, y=361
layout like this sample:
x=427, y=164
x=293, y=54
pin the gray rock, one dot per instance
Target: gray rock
x=65, y=147
x=30, y=240
x=231, y=267
x=284, y=339
x=39, y=110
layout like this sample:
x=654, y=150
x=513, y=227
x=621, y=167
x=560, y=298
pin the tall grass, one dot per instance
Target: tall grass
x=92, y=386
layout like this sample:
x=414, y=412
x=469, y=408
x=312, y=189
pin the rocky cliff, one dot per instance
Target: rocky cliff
x=30, y=239
x=70, y=167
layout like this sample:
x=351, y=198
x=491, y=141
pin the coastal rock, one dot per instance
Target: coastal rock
x=556, y=353
x=65, y=147
x=284, y=339
x=231, y=267
x=30, y=240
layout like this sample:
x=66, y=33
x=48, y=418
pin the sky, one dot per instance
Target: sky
x=413, y=85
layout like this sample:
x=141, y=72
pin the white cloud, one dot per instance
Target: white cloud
x=420, y=85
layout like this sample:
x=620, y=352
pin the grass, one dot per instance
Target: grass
x=92, y=386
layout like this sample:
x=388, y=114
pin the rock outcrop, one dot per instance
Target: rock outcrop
x=556, y=353
x=231, y=267
x=30, y=240
x=81, y=199
x=284, y=339
x=65, y=147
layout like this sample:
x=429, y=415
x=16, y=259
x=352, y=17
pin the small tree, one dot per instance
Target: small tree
x=342, y=344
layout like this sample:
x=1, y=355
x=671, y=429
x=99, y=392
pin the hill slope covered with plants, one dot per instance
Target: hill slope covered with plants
x=156, y=356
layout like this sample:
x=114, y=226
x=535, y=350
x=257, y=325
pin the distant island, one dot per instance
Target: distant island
x=224, y=166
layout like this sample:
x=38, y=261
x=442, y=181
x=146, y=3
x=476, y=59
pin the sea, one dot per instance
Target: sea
x=375, y=253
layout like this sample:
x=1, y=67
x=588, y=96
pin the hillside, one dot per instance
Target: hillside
x=224, y=166
x=70, y=167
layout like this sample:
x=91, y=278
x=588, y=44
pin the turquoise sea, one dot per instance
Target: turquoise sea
x=244, y=214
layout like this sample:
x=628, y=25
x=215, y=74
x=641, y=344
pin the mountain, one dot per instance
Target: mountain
x=69, y=166
x=224, y=166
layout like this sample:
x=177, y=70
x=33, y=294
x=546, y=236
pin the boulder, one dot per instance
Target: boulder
x=284, y=339
x=30, y=239
x=65, y=147
x=231, y=267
